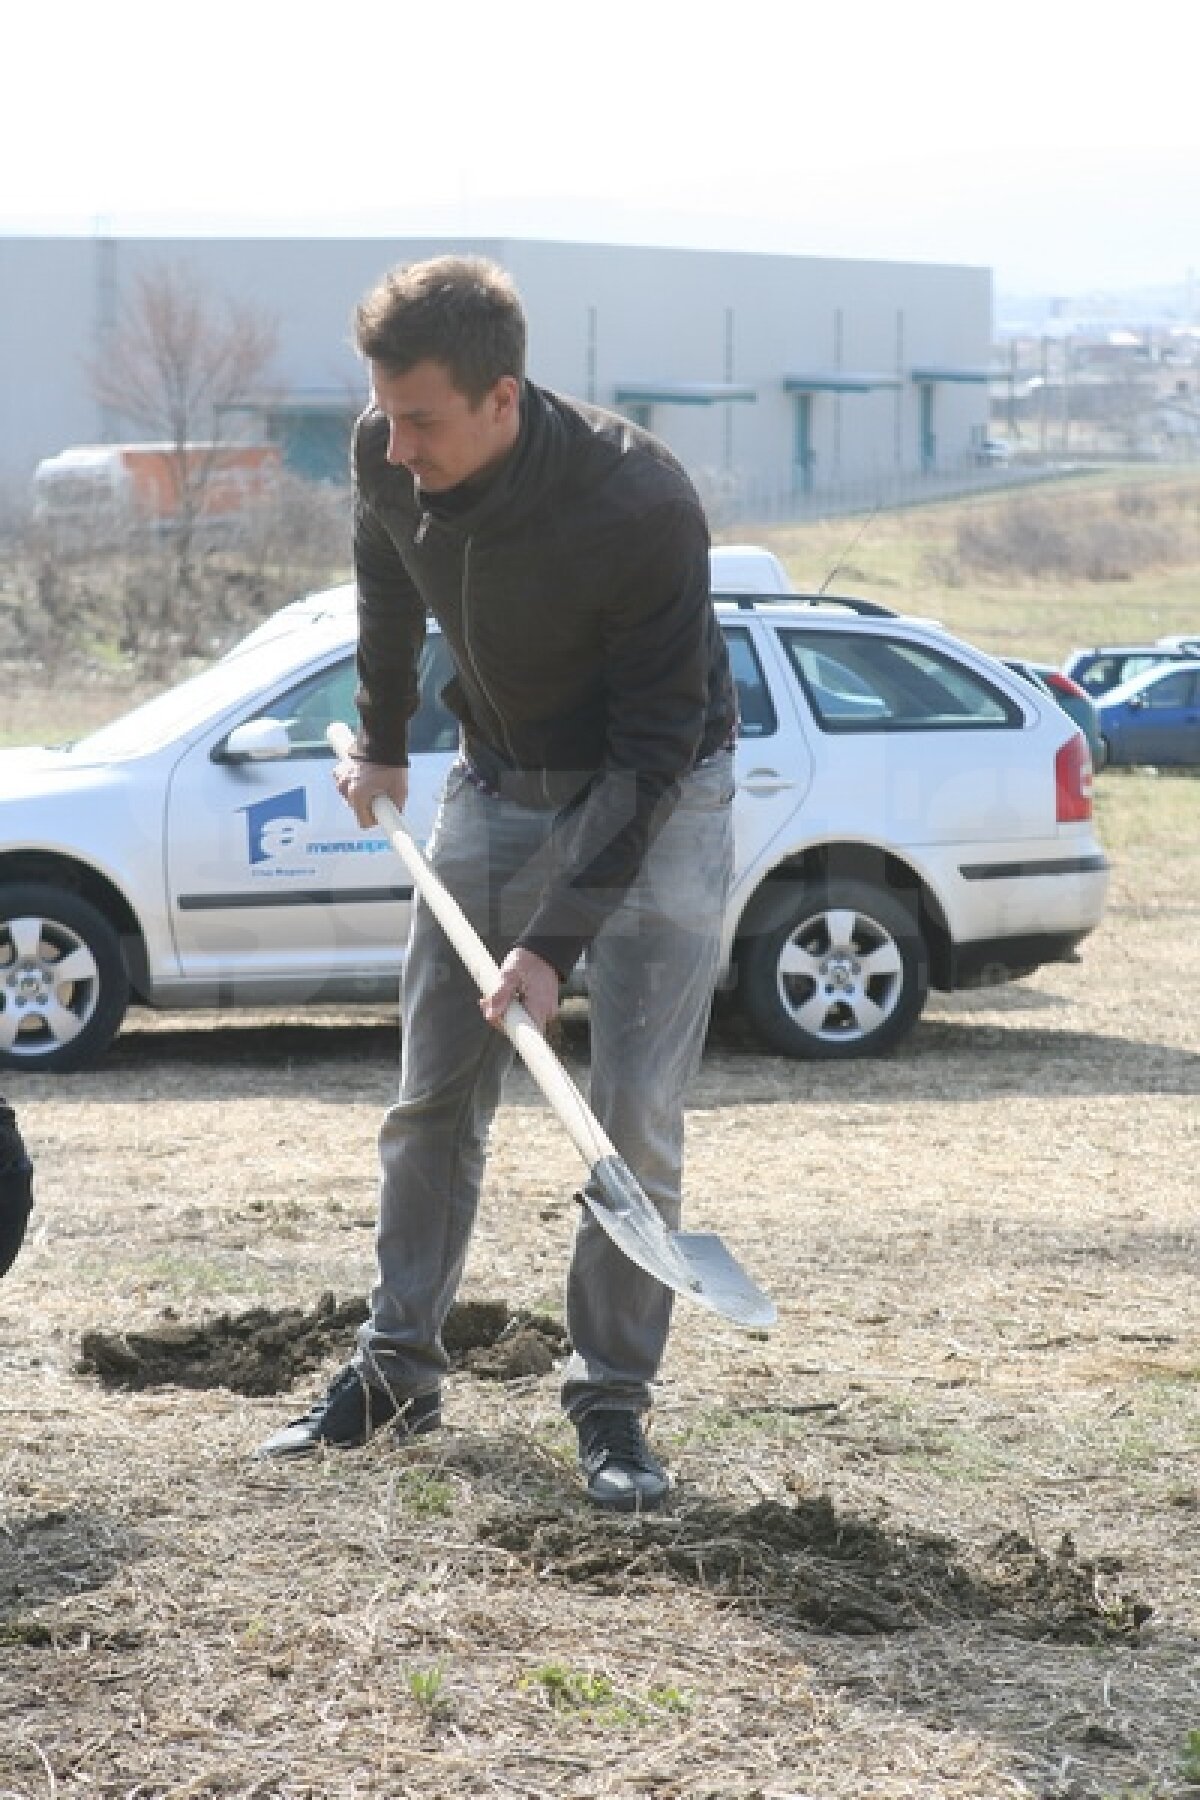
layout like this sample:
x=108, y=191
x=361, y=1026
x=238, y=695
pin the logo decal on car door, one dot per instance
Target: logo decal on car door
x=274, y=827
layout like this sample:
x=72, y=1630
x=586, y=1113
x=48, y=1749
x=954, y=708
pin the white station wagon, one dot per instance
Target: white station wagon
x=909, y=813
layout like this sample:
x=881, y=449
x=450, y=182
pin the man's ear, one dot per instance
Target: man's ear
x=506, y=398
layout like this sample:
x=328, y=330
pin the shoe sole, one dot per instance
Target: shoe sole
x=627, y=1503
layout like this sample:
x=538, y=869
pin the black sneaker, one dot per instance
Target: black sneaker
x=351, y=1413
x=619, y=1469
x=16, y=1188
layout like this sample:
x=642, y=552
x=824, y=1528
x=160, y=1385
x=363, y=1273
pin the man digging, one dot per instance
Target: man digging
x=564, y=553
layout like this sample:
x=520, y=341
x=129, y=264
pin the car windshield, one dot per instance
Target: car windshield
x=189, y=703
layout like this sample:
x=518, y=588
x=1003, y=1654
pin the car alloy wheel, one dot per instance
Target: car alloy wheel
x=842, y=971
x=63, y=984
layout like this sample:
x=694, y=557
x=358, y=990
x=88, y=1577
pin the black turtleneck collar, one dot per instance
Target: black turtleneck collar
x=473, y=497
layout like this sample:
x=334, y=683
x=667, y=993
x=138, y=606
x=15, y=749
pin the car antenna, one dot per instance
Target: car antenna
x=849, y=547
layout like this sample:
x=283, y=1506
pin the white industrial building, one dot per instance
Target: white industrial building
x=772, y=377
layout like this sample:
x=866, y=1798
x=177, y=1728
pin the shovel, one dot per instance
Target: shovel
x=695, y=1264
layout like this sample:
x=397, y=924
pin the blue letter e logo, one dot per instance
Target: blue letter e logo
x=273, y=826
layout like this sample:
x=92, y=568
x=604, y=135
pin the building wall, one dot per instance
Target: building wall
x=48, y=294
x=599, y=316
x=711, y=316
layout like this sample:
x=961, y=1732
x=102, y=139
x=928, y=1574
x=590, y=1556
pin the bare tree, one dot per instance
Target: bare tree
x=178, y=357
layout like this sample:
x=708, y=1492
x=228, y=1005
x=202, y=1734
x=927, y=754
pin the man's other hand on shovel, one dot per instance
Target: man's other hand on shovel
x=360, y=783
x=526, y=977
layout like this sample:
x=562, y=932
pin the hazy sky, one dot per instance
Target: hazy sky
x=1058, y=143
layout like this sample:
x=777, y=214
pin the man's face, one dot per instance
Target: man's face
x=435, y=432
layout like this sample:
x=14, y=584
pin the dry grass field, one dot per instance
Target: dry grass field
x=1115, y=558
x=934, y=1537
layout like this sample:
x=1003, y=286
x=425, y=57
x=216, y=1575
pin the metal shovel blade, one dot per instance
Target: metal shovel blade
x=695, y=1264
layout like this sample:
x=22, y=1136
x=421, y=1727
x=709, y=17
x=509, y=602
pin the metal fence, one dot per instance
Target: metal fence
x=731, y=499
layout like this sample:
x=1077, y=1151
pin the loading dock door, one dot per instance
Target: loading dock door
x=805, y=456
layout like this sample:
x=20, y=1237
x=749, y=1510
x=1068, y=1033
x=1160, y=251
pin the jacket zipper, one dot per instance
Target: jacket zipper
x=483, y=687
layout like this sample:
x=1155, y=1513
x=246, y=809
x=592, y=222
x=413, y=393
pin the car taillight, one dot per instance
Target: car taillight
x=1073, y=781
x=1062, y=684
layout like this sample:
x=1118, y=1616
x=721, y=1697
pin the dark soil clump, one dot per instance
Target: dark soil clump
x=267, y=1350
x=832, y=1572
x=262, y=1351
x=489, y=1340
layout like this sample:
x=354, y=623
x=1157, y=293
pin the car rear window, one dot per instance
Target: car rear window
x=866, y=681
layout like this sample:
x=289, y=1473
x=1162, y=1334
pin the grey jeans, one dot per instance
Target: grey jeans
x=651, y=971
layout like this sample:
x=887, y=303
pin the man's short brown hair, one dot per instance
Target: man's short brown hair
x=461, y=311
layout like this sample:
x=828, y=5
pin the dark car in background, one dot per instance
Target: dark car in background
x=1155, y=718
x=1074, y=700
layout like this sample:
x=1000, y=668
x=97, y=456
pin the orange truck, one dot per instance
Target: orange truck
x=97, y=485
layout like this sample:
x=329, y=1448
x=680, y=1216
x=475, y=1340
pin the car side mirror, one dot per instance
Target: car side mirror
x=258, y=740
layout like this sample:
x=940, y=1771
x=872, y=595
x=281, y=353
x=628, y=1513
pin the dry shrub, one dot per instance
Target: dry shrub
x=1085, y=538
x=111, y=598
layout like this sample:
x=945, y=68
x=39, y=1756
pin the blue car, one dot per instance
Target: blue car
x=1155, y=717
x=1107, y=666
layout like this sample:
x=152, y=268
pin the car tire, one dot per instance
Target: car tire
x=838, y=969
x=64, y=986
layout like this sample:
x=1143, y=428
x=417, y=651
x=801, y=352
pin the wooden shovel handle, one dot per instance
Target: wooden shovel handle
x=581, y=1124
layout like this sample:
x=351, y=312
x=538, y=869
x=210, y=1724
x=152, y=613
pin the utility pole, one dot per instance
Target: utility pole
x=1012, y=390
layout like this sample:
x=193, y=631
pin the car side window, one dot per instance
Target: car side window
x=1171, y=691
x=308, y=709
x=866, y=681
x=756, y=711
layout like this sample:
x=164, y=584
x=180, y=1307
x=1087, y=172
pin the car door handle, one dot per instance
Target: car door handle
x=765, y=781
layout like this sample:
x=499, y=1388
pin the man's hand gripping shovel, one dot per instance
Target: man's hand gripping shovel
x=695, y=1264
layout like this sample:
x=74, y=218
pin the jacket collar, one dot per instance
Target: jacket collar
x=535, y=464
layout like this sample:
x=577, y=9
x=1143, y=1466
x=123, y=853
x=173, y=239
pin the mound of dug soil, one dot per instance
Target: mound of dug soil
x=831, y=1571
x=267, y=1350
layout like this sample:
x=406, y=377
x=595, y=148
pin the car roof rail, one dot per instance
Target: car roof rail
x=867, y=609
